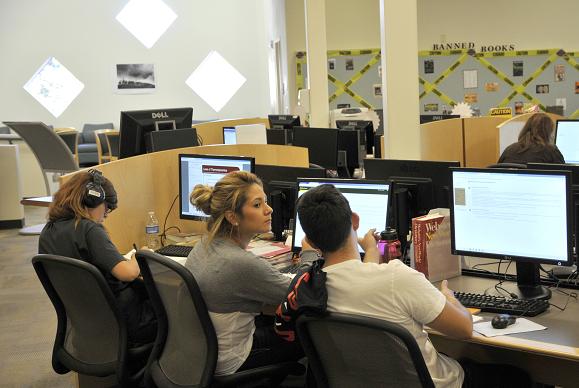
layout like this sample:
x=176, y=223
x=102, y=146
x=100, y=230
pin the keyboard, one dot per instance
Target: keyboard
x=502, y=305
x=175, y=250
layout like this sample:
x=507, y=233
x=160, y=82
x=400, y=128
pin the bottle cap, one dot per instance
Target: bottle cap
x=389, y=234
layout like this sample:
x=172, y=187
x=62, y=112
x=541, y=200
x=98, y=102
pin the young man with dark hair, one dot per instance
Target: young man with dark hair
x=393, y=291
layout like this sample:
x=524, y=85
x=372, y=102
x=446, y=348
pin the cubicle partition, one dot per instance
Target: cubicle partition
x=442, y=140
x=150, y=182
x=480, y=140
x=211, y=132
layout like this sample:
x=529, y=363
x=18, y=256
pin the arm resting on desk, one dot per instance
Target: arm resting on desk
x=454, y=320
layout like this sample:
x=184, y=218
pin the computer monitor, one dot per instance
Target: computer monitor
x=135, y=125
x=349, y=142
x=279, y=183
x=430, y=118
x=283, y=121
x=251, y=134
x=168, y=140
x=205, y=169
x=322, y=144
x=509, y=214
x=436, y=171
x=370, y=199
x=366, y=129
x=567, y=140
x=574, y=168
x=229, y=135
x=277, y=136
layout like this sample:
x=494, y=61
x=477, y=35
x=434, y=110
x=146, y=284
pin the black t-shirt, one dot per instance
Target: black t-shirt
x=88, y=242
x=536, y=153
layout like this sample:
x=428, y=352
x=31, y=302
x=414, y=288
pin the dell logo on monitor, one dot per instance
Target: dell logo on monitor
x=160, y=115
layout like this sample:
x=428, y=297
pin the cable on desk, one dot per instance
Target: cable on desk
x=165, y=229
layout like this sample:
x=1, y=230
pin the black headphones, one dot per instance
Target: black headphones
x=94, y=194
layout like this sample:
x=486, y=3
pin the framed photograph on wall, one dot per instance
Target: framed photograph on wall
x=137, y=78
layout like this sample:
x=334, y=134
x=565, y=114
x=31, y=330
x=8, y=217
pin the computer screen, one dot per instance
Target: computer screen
x=229, y=135
x=168, y=140
x=322, y=144
x=370, y=199
x=206, y=170
x=567, y=140
x=280, y=185
x=520, y=215
x=574, y=168
x=366, y=129
x=135, y=125
x=283, y=121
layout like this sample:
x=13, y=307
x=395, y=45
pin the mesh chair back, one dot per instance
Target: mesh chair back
x=91, y=335
x=349, y=351
x=189, y=353
x=50, y=150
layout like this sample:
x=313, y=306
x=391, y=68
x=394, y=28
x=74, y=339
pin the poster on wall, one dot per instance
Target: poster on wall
x=559, y=73
x=470, y=79
x=331, y=63
x=491, y=86
x=576, y=87
x=542, y=89
x=349, y=64
x=136, y=78
x=377, y=90
x=517, y=68
x=428, y=66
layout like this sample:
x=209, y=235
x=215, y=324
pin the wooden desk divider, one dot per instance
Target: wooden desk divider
x=151, y=182
x=442, y=140
x=480, y=140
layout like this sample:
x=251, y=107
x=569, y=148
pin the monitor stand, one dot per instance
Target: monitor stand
x=528, y=281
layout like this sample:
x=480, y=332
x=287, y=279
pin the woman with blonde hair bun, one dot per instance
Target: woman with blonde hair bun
x=236, y=284
x=534, y=143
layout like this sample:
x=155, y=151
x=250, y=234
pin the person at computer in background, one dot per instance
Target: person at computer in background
x=534, y=143
x=236, y=284
x=392, y=291
x=74, y=229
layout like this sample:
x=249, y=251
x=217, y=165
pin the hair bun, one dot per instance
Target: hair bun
x=201, y=198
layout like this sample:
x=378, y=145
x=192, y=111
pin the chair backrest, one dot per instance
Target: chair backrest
x=113, y=143
x=186, y=350
x=508, y=165
x=91, y=336
x=71, y=140
x=4, y=130
x=88, y=136
x=354, y=351
x=50, y=150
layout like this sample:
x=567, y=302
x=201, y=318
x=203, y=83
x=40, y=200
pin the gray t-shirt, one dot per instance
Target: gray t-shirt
x=232, y=279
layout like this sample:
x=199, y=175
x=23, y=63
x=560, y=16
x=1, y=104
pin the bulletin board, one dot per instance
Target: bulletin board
x=486, y=80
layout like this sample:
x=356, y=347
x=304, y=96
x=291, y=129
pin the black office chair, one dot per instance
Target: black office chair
x=91, y=337
x=354, y=351
x=507, y=165
x=185, y=352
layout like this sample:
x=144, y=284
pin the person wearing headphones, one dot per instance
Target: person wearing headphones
x=74, y=229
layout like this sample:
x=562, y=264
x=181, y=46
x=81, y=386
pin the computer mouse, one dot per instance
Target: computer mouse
x=501, y=321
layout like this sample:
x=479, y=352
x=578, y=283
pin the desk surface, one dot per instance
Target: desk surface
x=551, y=356
x=37, y=201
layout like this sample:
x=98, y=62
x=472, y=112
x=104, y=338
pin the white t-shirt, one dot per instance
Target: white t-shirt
x=395, y=293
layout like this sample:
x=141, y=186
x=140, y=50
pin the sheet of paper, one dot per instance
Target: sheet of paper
x=522, y=325
x=470, y=79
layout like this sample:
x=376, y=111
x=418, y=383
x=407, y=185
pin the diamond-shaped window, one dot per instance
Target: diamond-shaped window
x=147, y=20
x=53, y=86
x=215, y=80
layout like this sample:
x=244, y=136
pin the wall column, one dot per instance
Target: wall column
x=399, y=44
x=316, y=49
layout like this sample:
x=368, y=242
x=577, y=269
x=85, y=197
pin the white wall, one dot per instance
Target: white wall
x=86, y=38
x=526, y=24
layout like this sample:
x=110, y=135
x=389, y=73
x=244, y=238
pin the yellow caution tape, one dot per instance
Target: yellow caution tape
x=428, y=87
x=344, y=87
